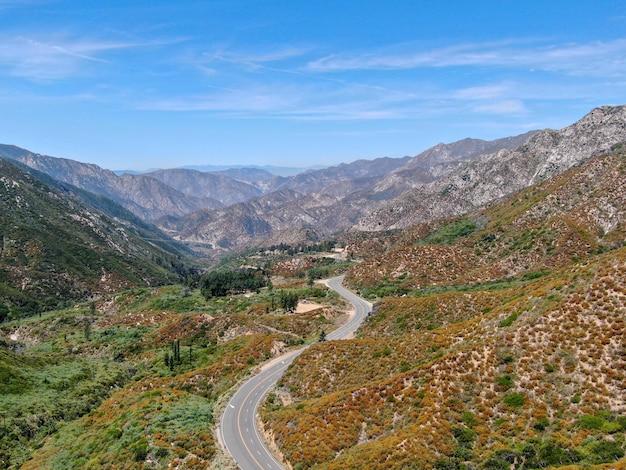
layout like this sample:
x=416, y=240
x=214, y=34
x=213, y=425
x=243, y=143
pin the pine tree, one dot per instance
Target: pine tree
x=168, y=361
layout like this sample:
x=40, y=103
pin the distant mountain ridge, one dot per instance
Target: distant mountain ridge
x=320, y=203
x=228, y=211
x=271, y=169
x=169, y=197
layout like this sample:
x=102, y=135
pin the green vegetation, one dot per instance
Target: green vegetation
x=451, y=232
x=288, y=300
x=58, y=249
x=508, y=321
x=221, y=283
x=136, y=375
x=514, y=399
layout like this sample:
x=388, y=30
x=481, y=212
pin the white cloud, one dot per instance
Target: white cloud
x=502, y=107
x=594, y=58
x=54, y=57
x=482, y=92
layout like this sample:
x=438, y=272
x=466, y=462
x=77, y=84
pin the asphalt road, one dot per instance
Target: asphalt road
x=238, y=427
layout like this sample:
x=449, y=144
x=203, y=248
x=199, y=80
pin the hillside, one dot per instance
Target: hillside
x=575, y=214
x=477, y=183
x=58, y=245
x=100, y=384
x=497, y=341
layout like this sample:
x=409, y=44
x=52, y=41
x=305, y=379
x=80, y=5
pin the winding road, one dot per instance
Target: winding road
x=238, y=428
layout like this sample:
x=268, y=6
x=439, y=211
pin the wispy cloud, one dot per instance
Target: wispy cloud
x=595, y=58
x=507, y=107
x=295, y=102
x=52, y=58
x=262, y=57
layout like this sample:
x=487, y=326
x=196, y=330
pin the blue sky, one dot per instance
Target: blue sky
x=145, y=84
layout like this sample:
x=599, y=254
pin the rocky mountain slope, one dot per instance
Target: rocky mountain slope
x=497, y=341
x=341, y=180
x=491, y=177
x=58, y=245
x=441, y=160
x=323, y=202
x=220, y=188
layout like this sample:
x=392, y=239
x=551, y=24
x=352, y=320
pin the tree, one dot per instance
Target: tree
x=87, y=330
x=4, y=312
x=322, y=336
x=288, y=300
x=176, y=352
x=222, y=283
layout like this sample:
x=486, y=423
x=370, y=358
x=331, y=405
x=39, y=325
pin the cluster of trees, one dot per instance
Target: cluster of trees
x=291, y=250
x=174, y=359
x=221, y=283
x=288, y=300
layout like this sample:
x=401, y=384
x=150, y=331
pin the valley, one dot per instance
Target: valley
x=133, y=307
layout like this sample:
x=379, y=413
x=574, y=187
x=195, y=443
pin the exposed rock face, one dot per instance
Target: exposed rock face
x=493, y=176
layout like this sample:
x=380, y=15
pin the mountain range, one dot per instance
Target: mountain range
x=237, y=208
x=224, y=212
x=218, y=213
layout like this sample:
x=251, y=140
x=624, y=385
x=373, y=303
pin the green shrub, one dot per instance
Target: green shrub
x=469, y=419
x=464, y=436
x=508, y=321
x=448, y=233
x=140, y=450
x=606, y=451
x=590, y=422
x=515, y=400
x=541, y=424
x=552, y=454
x=505, y=381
